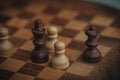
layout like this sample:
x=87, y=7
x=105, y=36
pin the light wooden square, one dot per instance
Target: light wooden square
x=67, y=14
x=19, y=76
x=17, y=22
x=81, y=37
x=111, y=32
x=104, y=49
x=50, y=74
x=12, y=65
x=80, y=69
x=29, y=46
x=76, y=25
x=23, y=34
x=102, y=21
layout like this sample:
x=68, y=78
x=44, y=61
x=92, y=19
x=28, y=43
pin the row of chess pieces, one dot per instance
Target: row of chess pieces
x=43, y=46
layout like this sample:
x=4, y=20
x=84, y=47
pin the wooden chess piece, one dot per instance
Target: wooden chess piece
x=91, y=54
x=52, y=38
x=39, y=54
x=5, y=45
x=59, y=60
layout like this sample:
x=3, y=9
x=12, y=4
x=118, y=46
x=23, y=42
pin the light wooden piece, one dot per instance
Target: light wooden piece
x=5, y=44
x=52, y=38
x=59, y=60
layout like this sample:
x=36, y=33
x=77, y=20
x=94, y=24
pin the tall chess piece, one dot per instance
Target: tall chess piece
x=59, y=60
x=92, y=54
x=39, y=54
x=52, y=38
x=5, y=45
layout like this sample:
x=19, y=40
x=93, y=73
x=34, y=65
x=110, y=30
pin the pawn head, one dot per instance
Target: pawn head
x=59, y=45
x=3, y=31
x=52, y=30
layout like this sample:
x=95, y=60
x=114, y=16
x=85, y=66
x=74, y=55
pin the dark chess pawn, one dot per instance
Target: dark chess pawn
x=39, y=54
x=91, y=54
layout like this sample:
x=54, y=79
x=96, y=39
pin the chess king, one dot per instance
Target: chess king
x=5, y=44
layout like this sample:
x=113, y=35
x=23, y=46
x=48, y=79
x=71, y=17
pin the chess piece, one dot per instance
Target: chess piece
x=59, y=60
x=52, y=38
x=92, y=54
x=39, y=54
x=5, y=45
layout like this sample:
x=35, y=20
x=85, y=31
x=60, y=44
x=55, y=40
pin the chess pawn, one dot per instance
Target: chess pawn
x=5, y=44
x=52, y=38
x=92, y=54
x=59, y=60
x=39, y=54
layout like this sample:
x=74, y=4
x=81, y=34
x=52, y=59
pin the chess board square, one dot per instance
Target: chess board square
x=31, y=69
x=19, y=76
x=44, y=17
x=84, y=17
x=72, y=54
x=76, y=25
x=12, y=30
x=11, y=12
x=116, y=23
x=17, y=41
x=4, y=18
x=107, y=41
x=12, y=65
x=51, y=10
x=67, y=33
x=26, y=32
x=29, y=25
x=104, y=49
x=2, y=59
x=29, y=46
x=67, y=14
x=17, y=22
x=111, y=32
x=5, y=75
x=59, y=21
x=77, y=45
x=80, y=69
x=81, y=37
x=65, y=39
x=21, y=55
x=68, y=76
x=25, y=14
x=35, y=8
x=102, y=21
x=50, y=74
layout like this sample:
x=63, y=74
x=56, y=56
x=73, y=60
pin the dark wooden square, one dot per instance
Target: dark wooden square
x=68, y=33
x=77, y=45
x=68, y=76
x=21, y=55
x=5, y=75
x=84, y=17
x=2, y=59
x=25, y=14
x=31, y=69
x=4, y=18
x=51, y=10
x=59, y=21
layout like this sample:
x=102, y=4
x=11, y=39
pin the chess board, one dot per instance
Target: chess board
x=71, y=18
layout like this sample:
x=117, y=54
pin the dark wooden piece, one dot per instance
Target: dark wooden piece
x=39, y=54
x=91, y=54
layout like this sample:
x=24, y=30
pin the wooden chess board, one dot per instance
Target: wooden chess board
x=71, y=19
